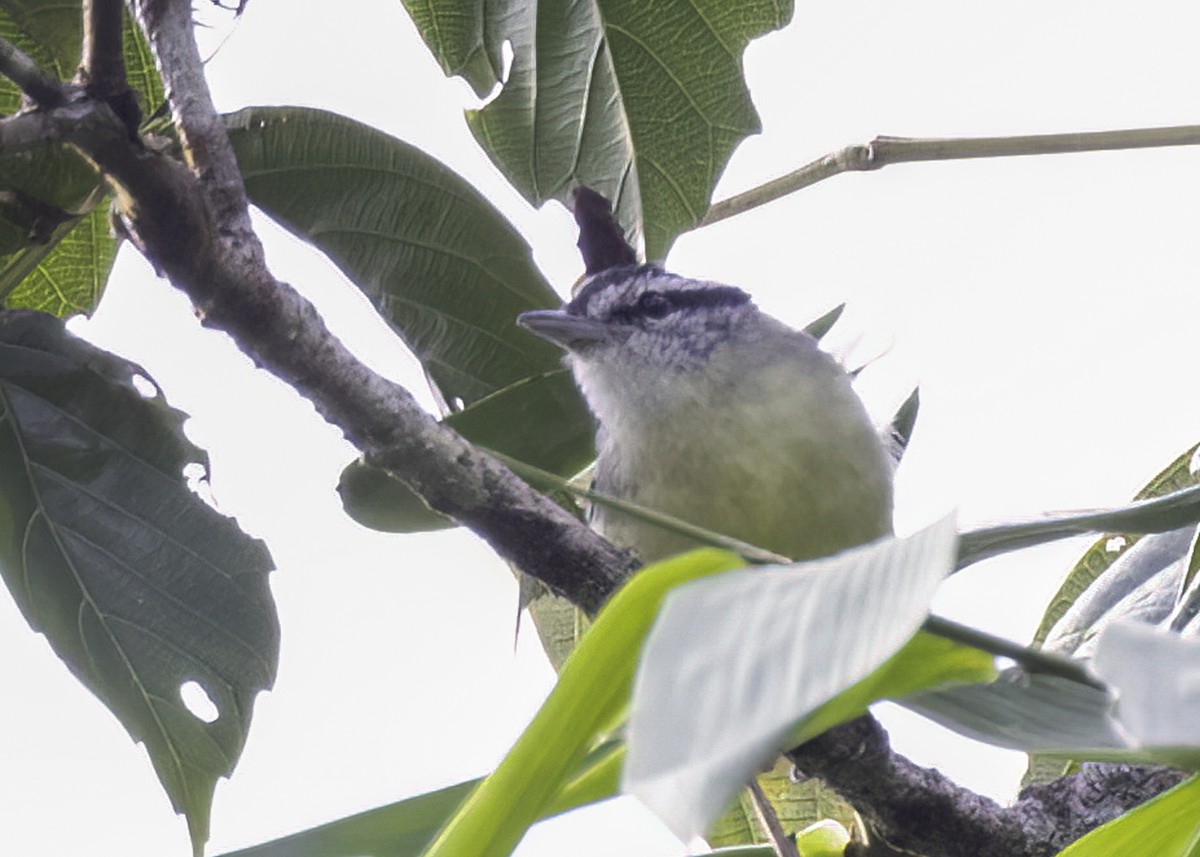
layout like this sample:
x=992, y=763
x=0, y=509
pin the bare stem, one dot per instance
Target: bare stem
x=783, y=844
x=884, y=150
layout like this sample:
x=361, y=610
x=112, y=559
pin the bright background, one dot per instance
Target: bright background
x=1047, y=306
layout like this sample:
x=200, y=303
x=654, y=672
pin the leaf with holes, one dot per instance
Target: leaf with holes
x=139, y=585
x=644, y=102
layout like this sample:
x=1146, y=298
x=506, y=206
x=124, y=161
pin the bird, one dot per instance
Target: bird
x=710, y=410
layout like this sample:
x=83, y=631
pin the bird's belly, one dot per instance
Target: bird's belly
x=809, y=499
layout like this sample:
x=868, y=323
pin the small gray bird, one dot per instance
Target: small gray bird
x=714, y=412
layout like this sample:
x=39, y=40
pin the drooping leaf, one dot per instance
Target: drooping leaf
x=1167, y=826
x=1027, y=712
x=434, y=257
x=642, y=102
x=737, y=663
x=1175, y=476
x=138, y=585
x=1143, y=584
x=56, y=249
x=1146, y=711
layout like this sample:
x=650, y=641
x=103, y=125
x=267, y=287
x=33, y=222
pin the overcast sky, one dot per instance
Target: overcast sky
x=1047, y=306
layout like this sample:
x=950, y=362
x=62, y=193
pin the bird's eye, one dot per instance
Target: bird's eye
x=653, y=305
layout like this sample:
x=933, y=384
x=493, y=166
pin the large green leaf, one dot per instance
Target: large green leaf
x=434, y=257
x=56, y=249
x=644, y=102
x=137, y=583
x=444, y=268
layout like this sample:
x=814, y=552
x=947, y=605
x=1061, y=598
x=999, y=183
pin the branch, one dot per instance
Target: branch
x=44, y=90
x=884, y=150
x=919, y=810
x=102, y=69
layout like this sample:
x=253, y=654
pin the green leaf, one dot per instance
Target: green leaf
x=1098, y=557
x=738, y=663
x=1167, y=826
x=404, y=828
x=138, y=584
x=644, y=103
x=434, y=257
x=63, y=277
x=400, y=829
x=591, y=693
x=375, y=499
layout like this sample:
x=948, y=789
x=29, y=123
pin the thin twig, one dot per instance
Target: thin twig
x=885, y=150
x=784, y=845
x=19, y=67
x=546, y=480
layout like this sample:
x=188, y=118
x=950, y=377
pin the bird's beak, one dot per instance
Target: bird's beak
x=563, y=329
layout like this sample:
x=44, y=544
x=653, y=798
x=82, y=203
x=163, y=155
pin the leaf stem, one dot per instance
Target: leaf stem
x=781, y=843
x=1033, y=660
x=885, y=150
x=1157, y=515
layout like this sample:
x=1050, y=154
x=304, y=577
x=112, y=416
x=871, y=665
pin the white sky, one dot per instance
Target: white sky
x=1046, y=305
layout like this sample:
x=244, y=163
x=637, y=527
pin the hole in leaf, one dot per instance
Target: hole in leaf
x=1114, y=544
x=457, y=404
x=146, y=388
x=506, y=61
x=196, y=700
x=196, y=475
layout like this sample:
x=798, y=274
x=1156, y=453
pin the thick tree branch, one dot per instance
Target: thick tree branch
x=918, y=810
x=884, y=150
